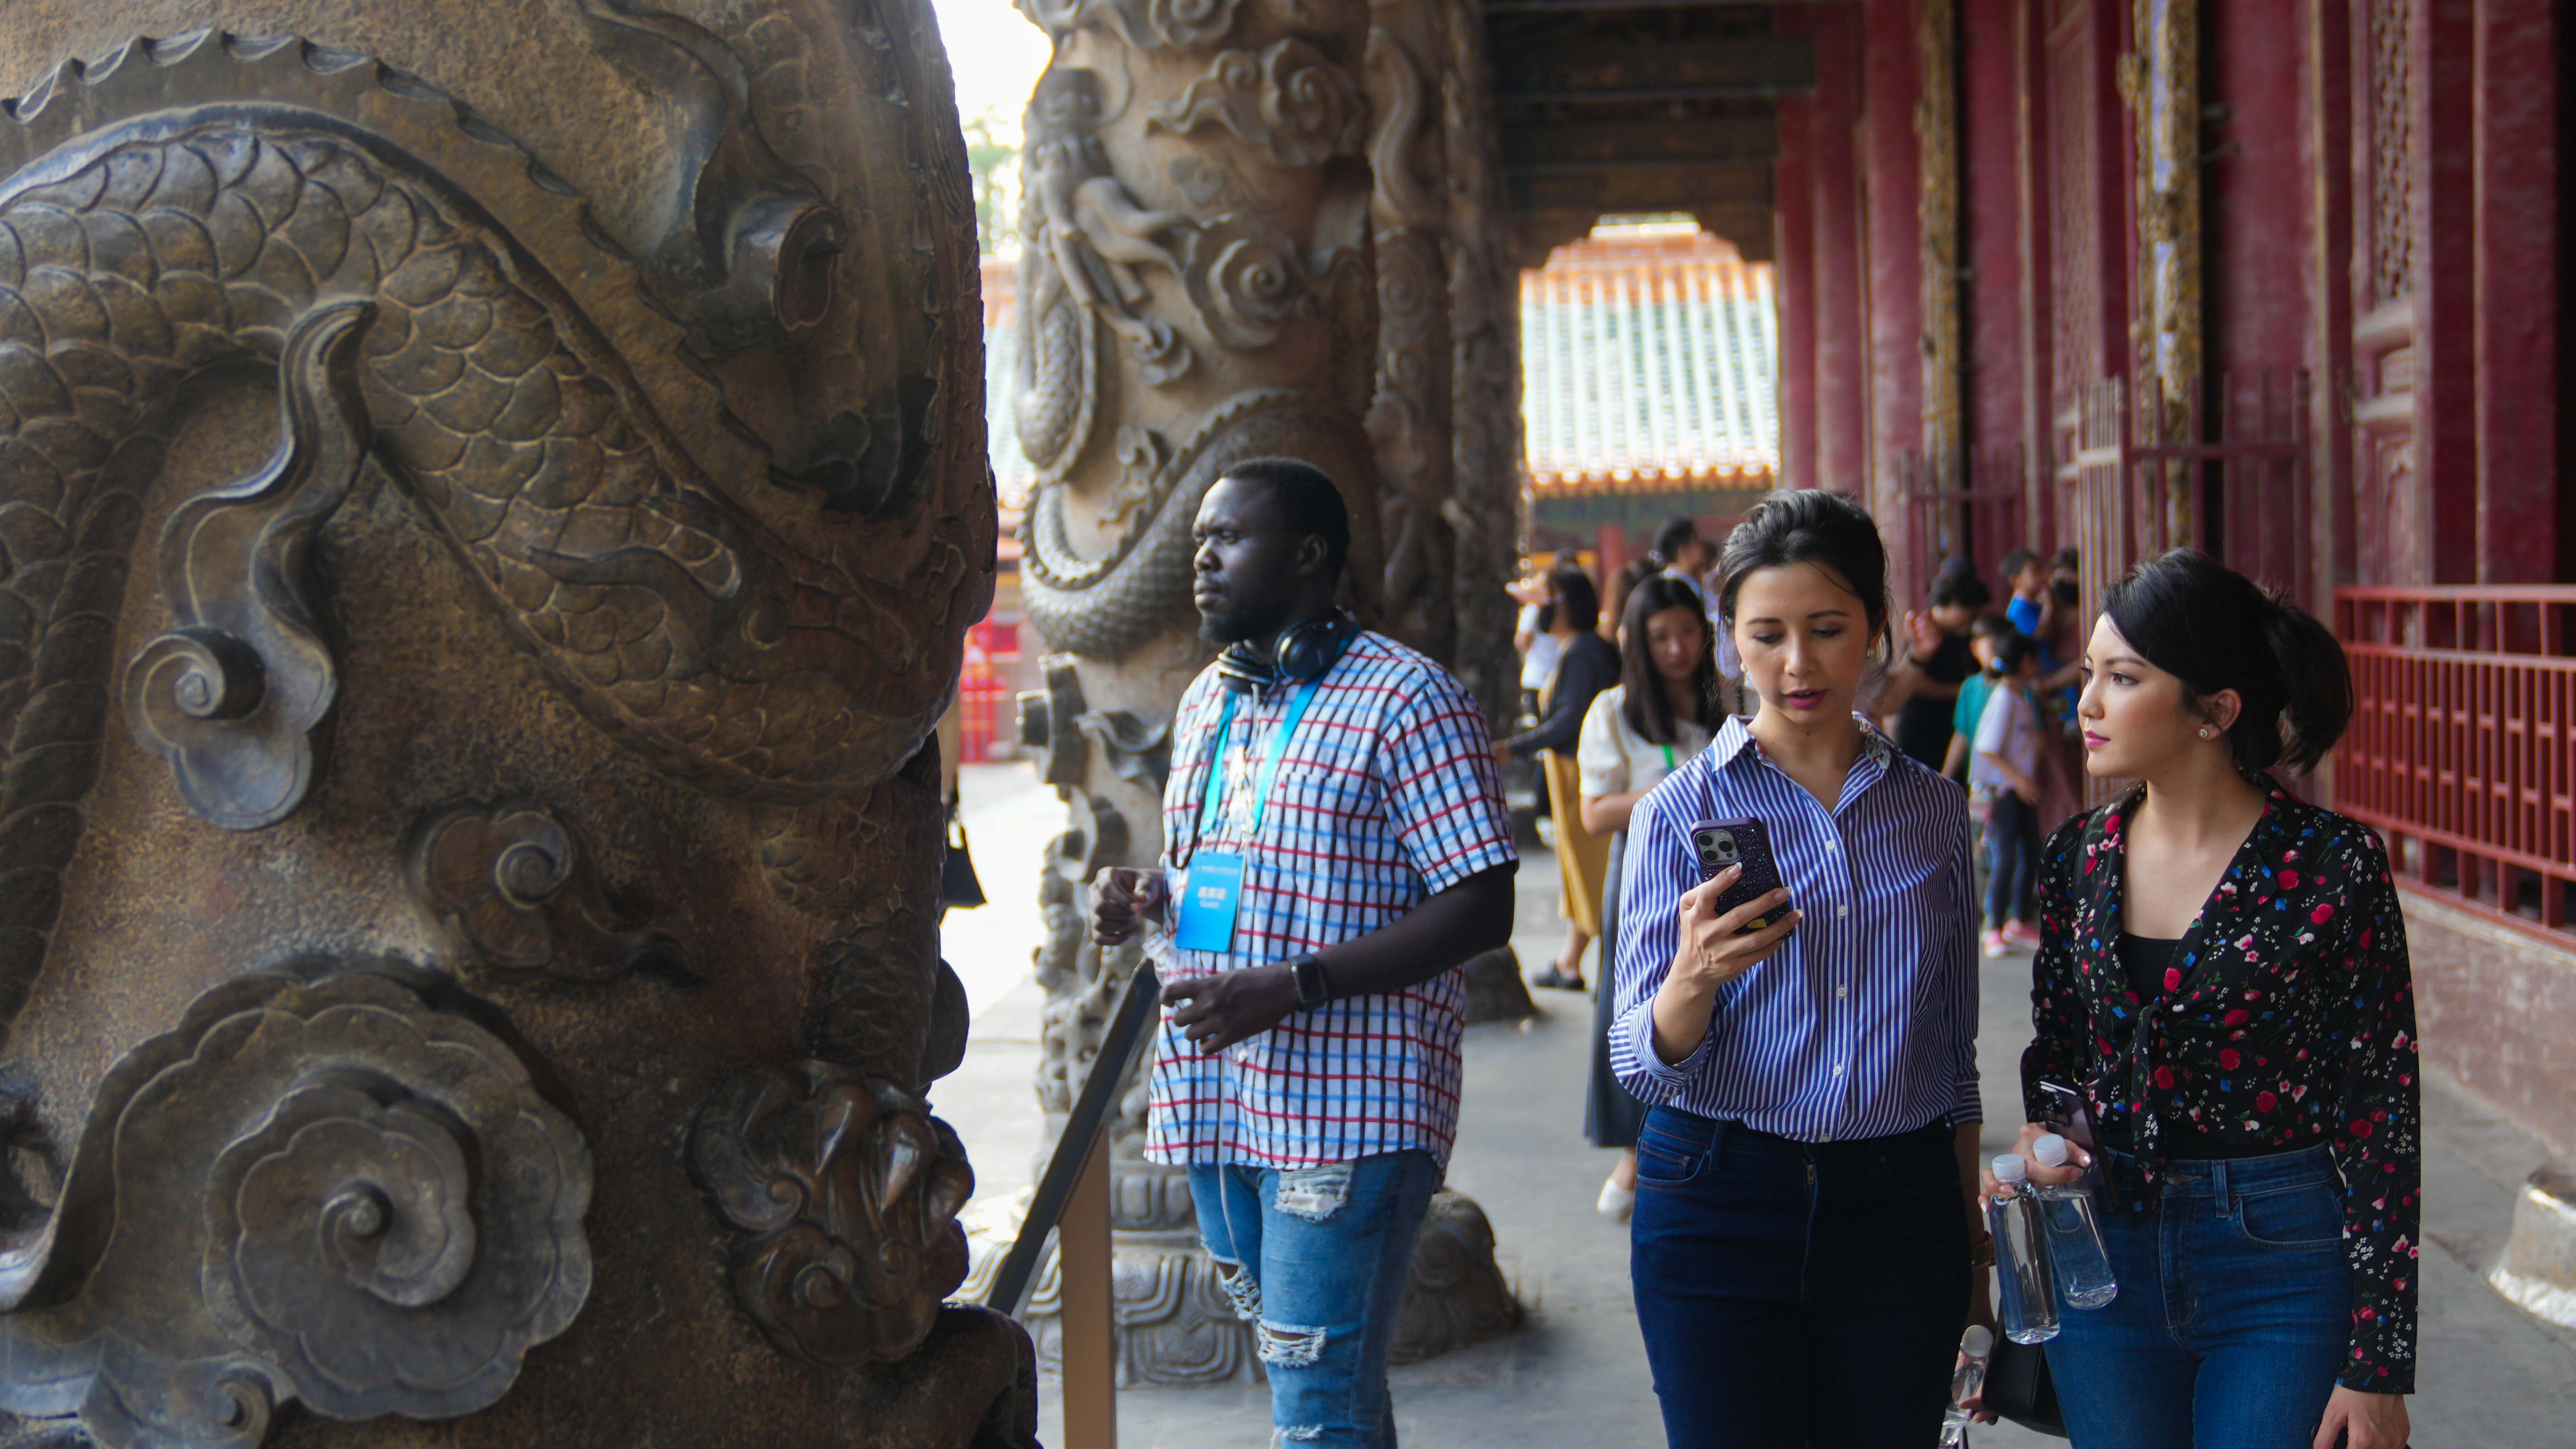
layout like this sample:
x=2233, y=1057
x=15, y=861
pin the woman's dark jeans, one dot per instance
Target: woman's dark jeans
x=1798, y=1293
x=2234, y=1314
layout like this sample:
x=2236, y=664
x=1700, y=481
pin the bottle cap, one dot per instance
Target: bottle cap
x=2008, y=1168
x=2049, y=1151
x=1978, y=1341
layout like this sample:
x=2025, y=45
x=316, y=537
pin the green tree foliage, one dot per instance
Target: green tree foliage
x=993, y=160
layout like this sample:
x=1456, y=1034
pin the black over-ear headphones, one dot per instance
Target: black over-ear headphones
x=1307, y=650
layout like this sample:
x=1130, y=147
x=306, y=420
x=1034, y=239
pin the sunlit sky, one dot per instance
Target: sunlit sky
x=996, y=54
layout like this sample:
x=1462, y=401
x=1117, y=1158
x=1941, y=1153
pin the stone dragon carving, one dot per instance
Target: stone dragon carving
x=1409, y=419
x=346, y=1182
x=847, y=1194
x=408, y=327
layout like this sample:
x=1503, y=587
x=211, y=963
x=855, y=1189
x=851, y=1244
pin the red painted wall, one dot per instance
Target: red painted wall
x=1894, y=253
x=1794, y=245
x=1834, y=222
x=2519, y=233
x=1990, y=218
x=2252, y=191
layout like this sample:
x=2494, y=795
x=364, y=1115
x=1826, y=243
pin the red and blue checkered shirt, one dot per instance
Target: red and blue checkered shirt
x=1387, y=795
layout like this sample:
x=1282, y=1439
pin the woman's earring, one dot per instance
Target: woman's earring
x=2204, y=732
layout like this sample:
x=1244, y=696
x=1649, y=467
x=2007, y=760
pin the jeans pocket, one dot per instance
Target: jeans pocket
x=2292, y=1219
x=1667, y=1161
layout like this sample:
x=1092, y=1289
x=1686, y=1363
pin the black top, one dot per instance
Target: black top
x=2284, y=1018
x=1589, y=666
x=1923, y=725
x=2146, y=959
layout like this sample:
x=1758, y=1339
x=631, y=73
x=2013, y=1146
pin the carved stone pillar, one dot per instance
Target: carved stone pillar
x=1408, y=421
x=491, y=497
x=1484, y=374
x=1196, y=288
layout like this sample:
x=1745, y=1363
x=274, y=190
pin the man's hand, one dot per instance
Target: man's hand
x=1121, y=896
x=1217, y=1011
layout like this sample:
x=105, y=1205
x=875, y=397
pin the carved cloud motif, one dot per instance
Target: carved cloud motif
x=341, y=1188
x=517, y=892
x=846, y=1192
x=1292, y=101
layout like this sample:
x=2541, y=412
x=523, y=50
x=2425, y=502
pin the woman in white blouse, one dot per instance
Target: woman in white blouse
x=1658, y=716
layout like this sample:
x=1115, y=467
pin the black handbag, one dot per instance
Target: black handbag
x=959, y=890
x=2019, y=1389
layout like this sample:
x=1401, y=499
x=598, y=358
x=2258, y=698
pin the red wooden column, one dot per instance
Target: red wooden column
x=1990, y=190
x=2038, y=256
x=1893, y=245
x=1794, y=244
x=2519, y=229
x=2414, y=291
x=2326, y=236
x=2446, y=388
x=1840, y=349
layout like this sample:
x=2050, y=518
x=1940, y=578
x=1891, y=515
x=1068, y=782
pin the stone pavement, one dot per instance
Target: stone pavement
x=1575, y=1374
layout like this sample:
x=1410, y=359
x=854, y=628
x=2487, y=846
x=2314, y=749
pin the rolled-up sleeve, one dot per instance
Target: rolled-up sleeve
x=1659, y=868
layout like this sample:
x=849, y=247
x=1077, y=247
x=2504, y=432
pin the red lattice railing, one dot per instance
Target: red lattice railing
x=2463, y=750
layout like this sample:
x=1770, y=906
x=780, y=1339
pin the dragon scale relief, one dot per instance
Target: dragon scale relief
x=451, y=977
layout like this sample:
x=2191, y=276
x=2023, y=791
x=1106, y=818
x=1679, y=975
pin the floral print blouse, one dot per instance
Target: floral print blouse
x=2286, y=1020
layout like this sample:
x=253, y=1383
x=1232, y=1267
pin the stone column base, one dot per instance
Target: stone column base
x=1177, y=1328
x=2539, y=1267
x=1495, y=990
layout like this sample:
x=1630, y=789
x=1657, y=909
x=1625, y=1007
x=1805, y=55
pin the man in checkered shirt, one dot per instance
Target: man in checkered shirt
x=1334, y=804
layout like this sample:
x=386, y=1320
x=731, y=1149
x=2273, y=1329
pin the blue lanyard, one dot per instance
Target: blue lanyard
x=1211, y=807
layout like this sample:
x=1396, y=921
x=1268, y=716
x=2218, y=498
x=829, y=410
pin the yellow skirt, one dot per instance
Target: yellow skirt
x=1583, y=857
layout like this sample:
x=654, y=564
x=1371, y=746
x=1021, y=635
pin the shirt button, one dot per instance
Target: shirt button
x=1838, y=1071
x=1842, y=910
x=1842, y=991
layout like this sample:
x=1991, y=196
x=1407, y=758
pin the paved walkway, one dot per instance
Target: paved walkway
x=2492, y=1376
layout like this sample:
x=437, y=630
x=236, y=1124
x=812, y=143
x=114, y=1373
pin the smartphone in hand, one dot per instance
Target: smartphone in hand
x=2066, y=1113
x=1745, y=842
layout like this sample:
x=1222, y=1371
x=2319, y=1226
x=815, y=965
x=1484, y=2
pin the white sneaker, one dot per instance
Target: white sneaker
x=1616, y=1202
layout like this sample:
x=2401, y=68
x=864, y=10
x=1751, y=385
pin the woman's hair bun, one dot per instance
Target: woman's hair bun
x=2185, y=613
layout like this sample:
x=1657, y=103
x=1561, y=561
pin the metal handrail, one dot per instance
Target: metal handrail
x=1092, y=1109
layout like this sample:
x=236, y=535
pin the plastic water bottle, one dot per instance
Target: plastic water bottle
x=2028, y=1296
x=2074, y=1233
x=1966, y=1384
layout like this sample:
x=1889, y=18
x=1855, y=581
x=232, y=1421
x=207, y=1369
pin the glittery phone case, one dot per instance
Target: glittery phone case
x=1746, y=842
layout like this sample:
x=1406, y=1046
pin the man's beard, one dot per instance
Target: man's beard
x=1235, y=622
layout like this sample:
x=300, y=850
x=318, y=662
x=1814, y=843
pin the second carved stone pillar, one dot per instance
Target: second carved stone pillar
x=1196, y=288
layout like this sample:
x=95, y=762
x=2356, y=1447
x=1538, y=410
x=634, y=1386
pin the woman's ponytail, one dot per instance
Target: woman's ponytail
x=2185, y=613
x=2316, y=680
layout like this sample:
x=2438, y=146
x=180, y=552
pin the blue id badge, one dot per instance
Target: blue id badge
x=1210, y=891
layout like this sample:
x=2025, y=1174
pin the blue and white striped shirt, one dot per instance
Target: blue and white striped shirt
x=1864, y=1022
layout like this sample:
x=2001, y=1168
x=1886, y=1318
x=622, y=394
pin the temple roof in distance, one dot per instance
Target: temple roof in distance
x=1649, y=365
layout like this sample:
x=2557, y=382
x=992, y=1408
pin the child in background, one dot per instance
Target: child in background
x=2026, y=574
x=1983, y=635
x=2005, y=775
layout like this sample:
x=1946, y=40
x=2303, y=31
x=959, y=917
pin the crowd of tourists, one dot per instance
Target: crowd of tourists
x=1785, y=1028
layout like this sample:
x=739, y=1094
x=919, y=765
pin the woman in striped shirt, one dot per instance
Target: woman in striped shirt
x=1806, y=1199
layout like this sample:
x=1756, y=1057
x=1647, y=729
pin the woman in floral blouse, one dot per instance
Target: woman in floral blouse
x=2223, y=980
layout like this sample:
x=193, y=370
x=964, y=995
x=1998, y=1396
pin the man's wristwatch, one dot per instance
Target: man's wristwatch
x=1309, y=973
